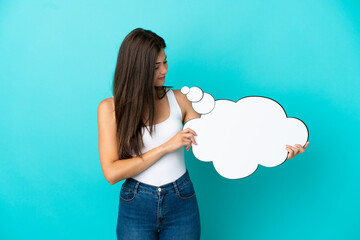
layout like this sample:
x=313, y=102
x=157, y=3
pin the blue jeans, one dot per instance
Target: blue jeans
x=167, y=212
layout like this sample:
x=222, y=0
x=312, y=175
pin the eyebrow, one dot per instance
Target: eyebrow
x=160, y=62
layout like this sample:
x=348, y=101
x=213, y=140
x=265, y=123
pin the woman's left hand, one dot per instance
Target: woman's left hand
x=293, y=151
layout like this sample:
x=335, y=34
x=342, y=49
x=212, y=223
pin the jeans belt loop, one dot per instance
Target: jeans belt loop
x=176, y=187
x=137, y=186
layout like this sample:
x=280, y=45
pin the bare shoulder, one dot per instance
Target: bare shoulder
x=106, y=109
x=181, y=98
x=185, y=105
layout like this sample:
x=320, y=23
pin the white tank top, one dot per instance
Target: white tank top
x=172, y=165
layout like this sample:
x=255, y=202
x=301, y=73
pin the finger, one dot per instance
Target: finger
x=296, y=150
x=193, y=132
x=190, y=130
x=290, y=153
x=188, y=135
x=188, y=146
x=301, y=149
x=193, y=140
x=186, y=130
x=187, y=142
x=306, y=145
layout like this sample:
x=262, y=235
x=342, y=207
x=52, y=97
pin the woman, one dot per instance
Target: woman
x=141, y=140
x=157, y=200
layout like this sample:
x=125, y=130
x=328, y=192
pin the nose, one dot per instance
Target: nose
x=163, y=69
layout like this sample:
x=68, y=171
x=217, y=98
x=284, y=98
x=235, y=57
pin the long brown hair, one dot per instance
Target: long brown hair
x=133, y=89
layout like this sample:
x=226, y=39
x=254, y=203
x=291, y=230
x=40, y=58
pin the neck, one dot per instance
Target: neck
x=158, y=92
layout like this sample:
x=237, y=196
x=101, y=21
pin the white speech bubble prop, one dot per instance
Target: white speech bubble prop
x=238, y=136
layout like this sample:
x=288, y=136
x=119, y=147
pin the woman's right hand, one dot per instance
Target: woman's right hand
x=182, y=138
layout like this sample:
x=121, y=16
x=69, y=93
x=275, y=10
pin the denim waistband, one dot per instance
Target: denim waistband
x=130, y=182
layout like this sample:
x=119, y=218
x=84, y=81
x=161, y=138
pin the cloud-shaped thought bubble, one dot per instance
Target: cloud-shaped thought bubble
x=238, y=136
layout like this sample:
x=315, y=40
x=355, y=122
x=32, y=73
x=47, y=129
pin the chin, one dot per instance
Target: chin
x=159, y=83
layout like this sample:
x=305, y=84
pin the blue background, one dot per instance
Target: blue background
x=57, y=60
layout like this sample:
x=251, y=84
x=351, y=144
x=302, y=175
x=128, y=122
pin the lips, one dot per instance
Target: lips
x=162, y=78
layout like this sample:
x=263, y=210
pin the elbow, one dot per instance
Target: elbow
x=112, y=179
x=112, y=182
x=114, y=174
x=109, y=179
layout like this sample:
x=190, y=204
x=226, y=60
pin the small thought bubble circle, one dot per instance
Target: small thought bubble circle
x=206, y=105
x=185, y=90
x=195, y=94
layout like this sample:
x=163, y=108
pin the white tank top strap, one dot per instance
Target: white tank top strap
x=175, y=109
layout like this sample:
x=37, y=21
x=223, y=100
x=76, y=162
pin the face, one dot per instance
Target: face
x=160, y=69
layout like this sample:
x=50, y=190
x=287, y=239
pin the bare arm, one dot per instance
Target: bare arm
x=115, y=169
x=190, y=112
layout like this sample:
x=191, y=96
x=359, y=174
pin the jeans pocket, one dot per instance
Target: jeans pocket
x=186, y=190
x=127, y=193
